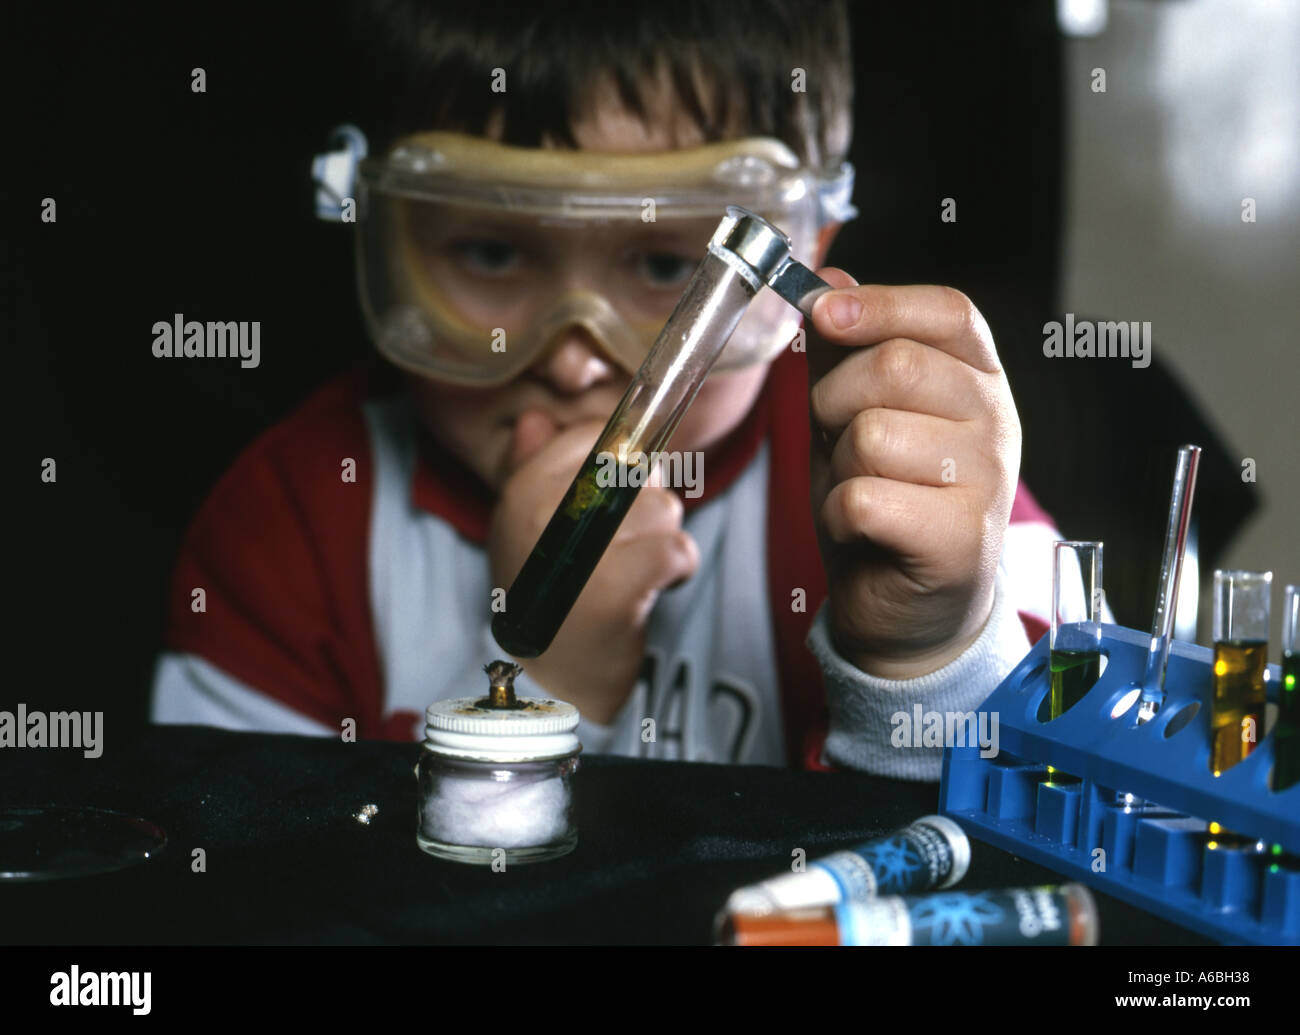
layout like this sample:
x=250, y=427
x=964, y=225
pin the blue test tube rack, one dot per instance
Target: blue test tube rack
x=1158, y=855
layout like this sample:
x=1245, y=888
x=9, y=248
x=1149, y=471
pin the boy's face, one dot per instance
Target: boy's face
x=574, y=380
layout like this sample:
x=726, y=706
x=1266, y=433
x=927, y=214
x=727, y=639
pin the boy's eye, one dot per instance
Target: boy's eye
x=665, y=269
x=486, y=255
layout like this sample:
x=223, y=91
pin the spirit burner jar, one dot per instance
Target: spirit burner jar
x=495, y=776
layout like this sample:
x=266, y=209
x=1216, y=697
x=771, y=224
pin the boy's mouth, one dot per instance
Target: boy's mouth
x=533, y=427
x=561, y=417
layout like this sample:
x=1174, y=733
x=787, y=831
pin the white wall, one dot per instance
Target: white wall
x=1201, y=110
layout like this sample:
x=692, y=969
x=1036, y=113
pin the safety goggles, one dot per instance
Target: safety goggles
x=474, y=258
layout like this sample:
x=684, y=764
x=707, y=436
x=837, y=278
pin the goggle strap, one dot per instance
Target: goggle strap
x=835, y=197
x=335, y=176
x=335, y=172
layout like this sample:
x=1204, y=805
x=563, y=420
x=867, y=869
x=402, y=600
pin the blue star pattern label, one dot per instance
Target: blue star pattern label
x=1015, y=916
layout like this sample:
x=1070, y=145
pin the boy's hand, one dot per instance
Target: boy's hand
x=916, y=453
x=595, y=659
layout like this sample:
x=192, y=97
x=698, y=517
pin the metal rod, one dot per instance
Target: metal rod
x=1171, y=570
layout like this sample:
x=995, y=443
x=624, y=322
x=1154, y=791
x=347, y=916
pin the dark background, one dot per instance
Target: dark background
x=174, y=202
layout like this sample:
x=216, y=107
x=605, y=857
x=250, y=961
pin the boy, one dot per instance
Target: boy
x=382, y=522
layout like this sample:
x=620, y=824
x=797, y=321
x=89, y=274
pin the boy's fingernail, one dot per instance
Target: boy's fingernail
x=844, y=310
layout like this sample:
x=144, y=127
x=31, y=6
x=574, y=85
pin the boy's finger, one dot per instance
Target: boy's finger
x=533, y=429
x=822, y=358
x=906, y=447
x=909, y=520
x=648, y=565
x=655, y=511
x=938, y=316
x=836, y=277
x=900, y=375
x=565, y=447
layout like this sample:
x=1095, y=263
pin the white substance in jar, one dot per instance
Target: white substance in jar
x=497, y=813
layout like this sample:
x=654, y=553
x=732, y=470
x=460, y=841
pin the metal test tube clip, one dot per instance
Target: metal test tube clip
x=751, y=241
x=745, y=254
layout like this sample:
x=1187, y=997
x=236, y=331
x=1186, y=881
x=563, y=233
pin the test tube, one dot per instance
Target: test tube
x=1241, y=612
x=1286, y=731
x=745, y=253
x=1041, y=916
x=1076, y=613
x=932, y=852
x=1075, y=643
x=1171, y=570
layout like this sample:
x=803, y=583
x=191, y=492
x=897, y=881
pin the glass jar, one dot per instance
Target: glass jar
x=495, y=785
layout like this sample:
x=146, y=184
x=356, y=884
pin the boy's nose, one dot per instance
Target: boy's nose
x=574, y=362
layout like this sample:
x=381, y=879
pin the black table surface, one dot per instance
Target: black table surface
x=661, y=845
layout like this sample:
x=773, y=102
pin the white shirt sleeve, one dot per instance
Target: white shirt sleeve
x=190, y=691
x=873, y=721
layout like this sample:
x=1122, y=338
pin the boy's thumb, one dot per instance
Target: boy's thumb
x=533, y=429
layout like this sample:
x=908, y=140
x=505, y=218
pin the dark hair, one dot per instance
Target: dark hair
x=429, y=65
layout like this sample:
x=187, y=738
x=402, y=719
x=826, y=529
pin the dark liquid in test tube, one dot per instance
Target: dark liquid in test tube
x=555, y=573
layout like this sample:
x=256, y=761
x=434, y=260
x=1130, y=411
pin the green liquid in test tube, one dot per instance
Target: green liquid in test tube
x=1286, y=733
x=1075, y=656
